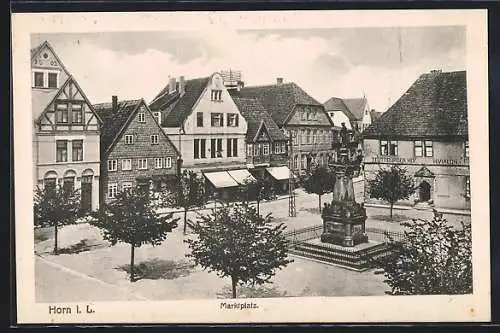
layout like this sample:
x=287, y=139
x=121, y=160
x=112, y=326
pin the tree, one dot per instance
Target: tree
x=55, y=207
x=236, y=242
x=131, y=218
x=320, y=181
x=185, y=191
x=435, y=258
x=391, y=185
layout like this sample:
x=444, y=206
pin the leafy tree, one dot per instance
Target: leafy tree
x=185, y=191
x=435, y=258
x=55, y=207
x=236, y=242
x=391, y=185
x=131, y=218
x=320, y=181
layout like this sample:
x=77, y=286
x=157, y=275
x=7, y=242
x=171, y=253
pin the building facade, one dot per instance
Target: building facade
x=426, y=133
x=66, y=129
x=266, y=145
x=206, y=127
x=300, y=116
x=134, y=149
x=354, y=112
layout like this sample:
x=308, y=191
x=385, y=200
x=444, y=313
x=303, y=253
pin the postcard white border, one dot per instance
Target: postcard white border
x=474, y=307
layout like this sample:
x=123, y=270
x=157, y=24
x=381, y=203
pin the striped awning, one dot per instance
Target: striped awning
x=220, y=179
x=280, y=173
x=242, y=176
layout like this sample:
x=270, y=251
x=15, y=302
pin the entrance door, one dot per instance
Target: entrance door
x=86, y=203
x=424, y=191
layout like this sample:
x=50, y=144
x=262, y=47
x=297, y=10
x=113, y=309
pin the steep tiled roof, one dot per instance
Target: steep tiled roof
x=178, y=107
x=337, y=104
x=434, y=106
x=114, y=122
x=356, y=106
x=255, y=114
x=278, y=99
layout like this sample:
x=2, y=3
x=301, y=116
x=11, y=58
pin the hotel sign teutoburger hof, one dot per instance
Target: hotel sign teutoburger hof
x=403, y=160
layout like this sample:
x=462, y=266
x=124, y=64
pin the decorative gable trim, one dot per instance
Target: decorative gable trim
x=262, y=128
x=51, y=49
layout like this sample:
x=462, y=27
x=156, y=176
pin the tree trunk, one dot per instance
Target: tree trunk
x=132, y=247
x=258, y=206
x=319, y=197
x=185, y=220
x=233, y=284
x=55, y=237
x=390, y=211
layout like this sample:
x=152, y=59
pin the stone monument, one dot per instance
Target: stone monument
x=344, y=218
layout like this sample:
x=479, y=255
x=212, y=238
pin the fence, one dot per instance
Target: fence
x=304, y=234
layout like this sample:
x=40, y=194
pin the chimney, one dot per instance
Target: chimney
x=114, y=104
x=279, y=81
x=240, y=86
x=182, y=85
x=171, y=85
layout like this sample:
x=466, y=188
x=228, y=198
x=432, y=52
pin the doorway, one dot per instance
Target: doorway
x=86, y=203
x=424, y=191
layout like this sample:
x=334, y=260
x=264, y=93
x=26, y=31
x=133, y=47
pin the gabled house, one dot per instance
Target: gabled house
x=66, y=129
x=354, y=112
x=266, y=145
x=206, y=127
x=134, y=149
x=297, y=114
x=426, y=132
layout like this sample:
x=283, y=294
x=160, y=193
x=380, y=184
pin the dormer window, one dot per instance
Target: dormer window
x=38, y=80
x=52, y=80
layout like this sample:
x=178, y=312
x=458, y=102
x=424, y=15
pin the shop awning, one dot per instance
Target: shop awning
x=220, y=179
x=242, y=176
x=280, y=173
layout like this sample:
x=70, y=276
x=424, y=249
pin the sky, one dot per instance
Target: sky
x=379, y=63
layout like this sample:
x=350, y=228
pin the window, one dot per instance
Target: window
x=154, y=139
x=129, y=139
x=213, y=148
x=77, y=113
x=466, y=149
x=216, y=95
x=257, y=149
x=283, y=147
x=314, y=115
x=217, y=119
x=112, y=189
x=418, y=148
x=141, y=117
x=304, y=162
x=157, y=116
x=203, y=153
x=77, y=150
x=199, y=119
x=393, y=148
x=296, y=162
x=49, y=183
x=302, y=136
x=69, y=184
x=158, y=163
x=232, y=120
x=467, y=186
x=127, y=164
x=38, y=80
x=229, y=147
x=277, y=148
x=296, y=137
x=219, y=147
x=200, y=148
x=61, y=150
x=143, y=163
x=249, y=149
x=61, y=113
x=126, y=186
x=235, y=147
x=52, y=80
x=428, y=148
x=196, y=148
x=383, y=147
x=112, y=165
x=315, y=136
x=266, y=148
x=167, y=162
x=308, y=136
x=303, y=115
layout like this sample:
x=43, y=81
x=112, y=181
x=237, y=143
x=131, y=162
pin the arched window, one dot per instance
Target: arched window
x=69, y=180
x=50, y=180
